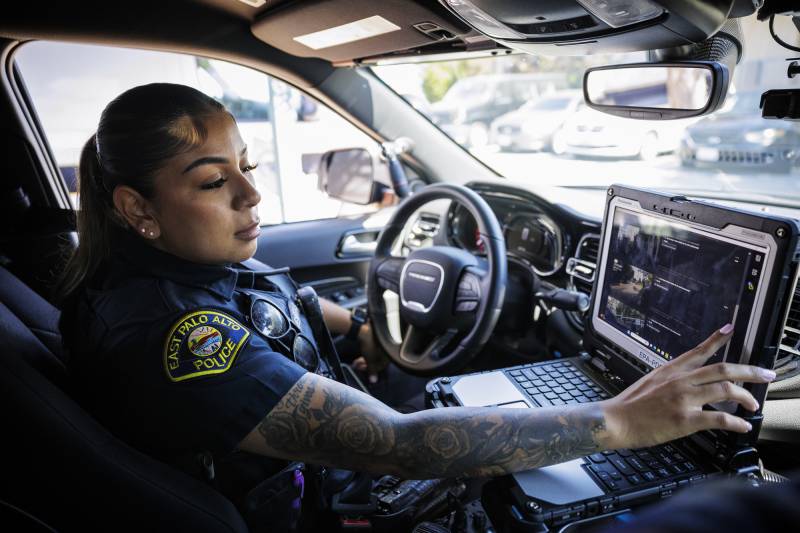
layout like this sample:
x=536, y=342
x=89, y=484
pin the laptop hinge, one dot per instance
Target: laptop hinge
x=439, y=393
x=745, y=463
x=743, y=459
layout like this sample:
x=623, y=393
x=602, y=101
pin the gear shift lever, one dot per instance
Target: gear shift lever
x=564, y=299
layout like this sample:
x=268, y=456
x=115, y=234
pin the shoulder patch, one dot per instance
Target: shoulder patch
x=202, y=343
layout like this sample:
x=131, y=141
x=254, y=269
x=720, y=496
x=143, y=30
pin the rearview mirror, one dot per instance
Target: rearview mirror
x=348, y=175
x=656, y=91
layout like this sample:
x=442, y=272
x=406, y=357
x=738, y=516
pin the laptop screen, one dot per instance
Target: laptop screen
x=666, y=285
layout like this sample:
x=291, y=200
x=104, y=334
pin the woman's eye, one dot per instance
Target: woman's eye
x=214, y=184
x=250, y=168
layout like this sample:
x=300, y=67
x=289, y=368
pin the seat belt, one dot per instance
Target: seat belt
x=311, y=307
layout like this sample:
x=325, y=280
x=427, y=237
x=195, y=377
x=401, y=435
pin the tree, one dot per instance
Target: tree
x=439, y=77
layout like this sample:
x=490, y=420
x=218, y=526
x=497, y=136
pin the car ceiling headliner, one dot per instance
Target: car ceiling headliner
x=211, y=28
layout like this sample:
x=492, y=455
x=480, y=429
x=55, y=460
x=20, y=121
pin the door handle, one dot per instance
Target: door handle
x=358, y=243
x=352, y=246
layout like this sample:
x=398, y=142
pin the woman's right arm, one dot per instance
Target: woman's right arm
x=324, y=422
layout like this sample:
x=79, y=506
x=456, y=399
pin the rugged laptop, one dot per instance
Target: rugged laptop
x=670, y=272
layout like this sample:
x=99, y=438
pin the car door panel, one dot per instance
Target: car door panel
x=331, y=255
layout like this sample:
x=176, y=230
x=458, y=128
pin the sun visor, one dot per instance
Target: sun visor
x=343, y=31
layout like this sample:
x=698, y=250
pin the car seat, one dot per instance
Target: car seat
x=59, y=464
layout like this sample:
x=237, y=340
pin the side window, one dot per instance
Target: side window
x=285, y=129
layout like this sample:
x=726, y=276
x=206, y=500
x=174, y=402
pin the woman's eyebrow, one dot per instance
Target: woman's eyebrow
x=205, y=161
x=210, y=160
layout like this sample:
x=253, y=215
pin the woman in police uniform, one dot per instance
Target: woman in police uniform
x=175, y=349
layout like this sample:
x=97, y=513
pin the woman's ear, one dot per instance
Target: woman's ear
x=136, y=210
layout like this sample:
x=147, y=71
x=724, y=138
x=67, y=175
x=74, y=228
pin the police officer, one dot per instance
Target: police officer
x=244, y=325
x=180, y=353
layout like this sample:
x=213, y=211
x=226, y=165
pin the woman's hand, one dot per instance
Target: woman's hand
x=668, y=402
x=373, y=359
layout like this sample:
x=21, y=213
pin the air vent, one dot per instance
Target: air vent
x=582, y=270
x=789, y=349
x=587, y=248
x=583, y=266
x=422, y=232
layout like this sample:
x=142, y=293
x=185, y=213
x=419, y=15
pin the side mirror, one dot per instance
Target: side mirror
x=657, y=91
x=349, y=175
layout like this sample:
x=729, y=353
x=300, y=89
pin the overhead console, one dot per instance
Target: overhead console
x=572, y=27
x=345, y=32
x=349, y=32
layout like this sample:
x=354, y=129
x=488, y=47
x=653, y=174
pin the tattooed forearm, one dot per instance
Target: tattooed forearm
x=328, y=423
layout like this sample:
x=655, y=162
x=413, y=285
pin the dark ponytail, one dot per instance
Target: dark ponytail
x=93, y=221
x=139, y=131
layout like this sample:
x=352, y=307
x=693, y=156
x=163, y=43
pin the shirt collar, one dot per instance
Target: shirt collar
x=133, y=254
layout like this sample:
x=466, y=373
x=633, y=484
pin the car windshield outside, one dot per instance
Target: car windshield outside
x=548, y=103
x=463, y=89
x=547, y=135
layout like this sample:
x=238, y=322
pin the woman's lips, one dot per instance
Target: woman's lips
x=249, y=233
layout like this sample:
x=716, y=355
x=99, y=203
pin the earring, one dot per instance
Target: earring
x=143, y=230
x=151, y=233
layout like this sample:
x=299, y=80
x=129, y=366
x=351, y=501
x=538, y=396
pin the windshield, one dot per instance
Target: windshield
x=741, y=104
x=546, y=135
x=551, y=103
x=464, y=89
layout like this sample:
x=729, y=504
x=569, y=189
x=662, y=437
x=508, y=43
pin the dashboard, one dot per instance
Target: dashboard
x=549, y=245
x=531, y=236
x=553, y=234
x=538, y=234
x=549, y=240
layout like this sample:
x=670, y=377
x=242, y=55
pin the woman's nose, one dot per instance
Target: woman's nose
x=248, y=195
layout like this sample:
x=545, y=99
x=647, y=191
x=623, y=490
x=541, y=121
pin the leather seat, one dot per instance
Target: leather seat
x=59, y=464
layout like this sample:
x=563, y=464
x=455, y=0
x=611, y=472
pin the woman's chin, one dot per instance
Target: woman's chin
x=247, y=251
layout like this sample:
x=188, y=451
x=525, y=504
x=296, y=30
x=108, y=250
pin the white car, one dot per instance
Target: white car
x=590, y=133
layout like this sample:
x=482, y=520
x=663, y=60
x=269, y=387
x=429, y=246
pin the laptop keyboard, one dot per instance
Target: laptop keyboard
x=557, y=383
x=562, y=383
x=622, y=469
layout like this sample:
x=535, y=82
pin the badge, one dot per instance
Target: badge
x=202, y=343
x=205, y=340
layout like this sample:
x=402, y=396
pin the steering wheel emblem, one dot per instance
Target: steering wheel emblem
x=423, y=277
x=420, y=284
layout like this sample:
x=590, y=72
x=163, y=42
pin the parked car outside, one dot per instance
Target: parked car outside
x=472, y=103
x=590, y=133
x=533, y=126
x=739, y=138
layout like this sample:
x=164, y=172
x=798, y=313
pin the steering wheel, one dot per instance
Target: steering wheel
x=450, y=298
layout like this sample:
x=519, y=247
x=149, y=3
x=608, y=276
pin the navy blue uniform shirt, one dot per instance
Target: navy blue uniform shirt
x=163, y=355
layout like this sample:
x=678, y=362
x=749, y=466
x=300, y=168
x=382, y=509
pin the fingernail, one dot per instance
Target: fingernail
x=769, y=375
x=749, y=426
x=726, y=329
